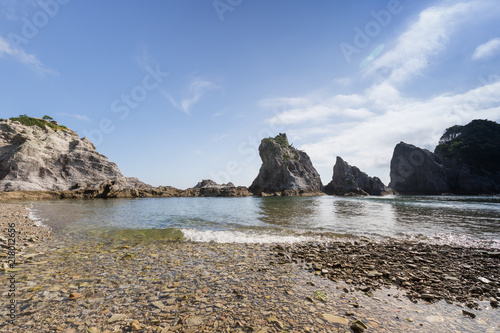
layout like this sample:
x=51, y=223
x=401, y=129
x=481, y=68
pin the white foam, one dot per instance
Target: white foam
x=455, y=240
x=228, y=236
x=32, y=215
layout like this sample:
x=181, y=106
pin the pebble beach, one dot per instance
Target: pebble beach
x=70, y=284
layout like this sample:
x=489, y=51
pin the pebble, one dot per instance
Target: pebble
x=334, y=319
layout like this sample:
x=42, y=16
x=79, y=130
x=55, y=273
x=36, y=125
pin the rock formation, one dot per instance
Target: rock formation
x=418, y=171
x=33, y=158
x=466, y=161
x=285, y=170
x=349, y=180
x=208, y=183
x=209, y=188
x=41, y=159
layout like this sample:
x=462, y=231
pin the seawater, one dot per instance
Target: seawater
x=463, y=220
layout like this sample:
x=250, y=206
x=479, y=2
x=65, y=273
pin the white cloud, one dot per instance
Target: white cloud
x=20, y=55
x=423, y=39
x=487, y=49
x=14, y=10
x=197, y=89
x=363, y=127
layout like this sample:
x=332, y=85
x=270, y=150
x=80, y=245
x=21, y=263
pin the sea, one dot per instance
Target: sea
x=458, y=220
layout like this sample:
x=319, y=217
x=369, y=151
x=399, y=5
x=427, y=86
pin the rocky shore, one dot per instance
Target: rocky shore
x=426, y=272
x=133, y=284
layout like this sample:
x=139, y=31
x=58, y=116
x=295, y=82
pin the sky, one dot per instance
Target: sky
x=178, y=91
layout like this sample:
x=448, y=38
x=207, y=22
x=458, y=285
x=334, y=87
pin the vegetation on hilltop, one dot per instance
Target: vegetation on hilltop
x=476, y=144
x=42, y=123
x=282, y=141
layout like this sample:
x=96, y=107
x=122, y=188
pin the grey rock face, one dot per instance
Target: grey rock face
x=284, y=169
x=36, y=159
x=418, y=171
x=208, y=183
x=349, y=179
x=209, y=188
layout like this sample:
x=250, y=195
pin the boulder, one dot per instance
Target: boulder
x=349, y=179
x=285, y=170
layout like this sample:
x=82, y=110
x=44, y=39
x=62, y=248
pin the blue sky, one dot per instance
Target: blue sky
x=178, y=91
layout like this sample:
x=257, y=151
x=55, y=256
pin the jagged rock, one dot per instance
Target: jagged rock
x=285, y=170
x=54, y=163
x=418, y=171
x=43, y=159
x=348, y=180
x=209, y=188
x=208, y=183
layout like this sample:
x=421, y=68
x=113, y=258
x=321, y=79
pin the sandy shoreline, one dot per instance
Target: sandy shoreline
x=124, y=285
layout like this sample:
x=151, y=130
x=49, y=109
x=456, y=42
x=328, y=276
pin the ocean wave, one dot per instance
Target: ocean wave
x=33, y=215
x=230, y=236
x=454, y=240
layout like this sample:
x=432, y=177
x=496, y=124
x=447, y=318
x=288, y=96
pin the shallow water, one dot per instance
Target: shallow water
x=441, y=219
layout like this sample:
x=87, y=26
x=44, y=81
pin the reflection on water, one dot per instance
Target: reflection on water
x=255, y=219
x=288, y=211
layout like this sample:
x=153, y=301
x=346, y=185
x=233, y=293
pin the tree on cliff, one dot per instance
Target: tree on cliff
x=476, y=144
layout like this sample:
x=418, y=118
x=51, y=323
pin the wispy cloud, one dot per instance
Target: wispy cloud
x=197, y=89
x=487, y=49
x=425, y=38
x=14, y=10
x=20, y=55
x=76, y=116
x=363, y=127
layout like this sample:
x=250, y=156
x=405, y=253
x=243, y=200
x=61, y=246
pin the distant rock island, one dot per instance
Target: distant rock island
x=285, y=170
x=466, y=161
x=41, y=159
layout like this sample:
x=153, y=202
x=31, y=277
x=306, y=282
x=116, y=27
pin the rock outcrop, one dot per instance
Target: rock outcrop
x=285, y=170
x=418, y=171
x=43, y=159
x=209, y=188
x=466, y=161
x=349, y=180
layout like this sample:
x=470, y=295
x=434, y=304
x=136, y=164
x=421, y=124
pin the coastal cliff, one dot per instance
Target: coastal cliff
x=40, y=155
x=349, y=180
x=285, y=170
x=40, y=159
x=466, y=161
